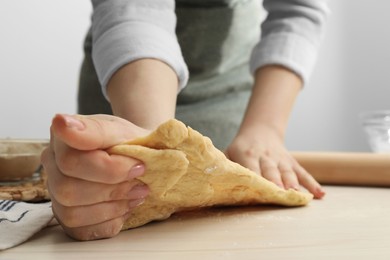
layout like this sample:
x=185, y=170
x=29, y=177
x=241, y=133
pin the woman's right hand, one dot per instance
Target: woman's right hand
x=92, y=192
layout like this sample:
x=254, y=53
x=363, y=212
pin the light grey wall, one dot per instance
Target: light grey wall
x=41, y=52
x=40, y=55
x=353, y=75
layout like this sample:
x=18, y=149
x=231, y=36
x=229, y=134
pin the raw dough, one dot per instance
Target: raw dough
x=185, y=171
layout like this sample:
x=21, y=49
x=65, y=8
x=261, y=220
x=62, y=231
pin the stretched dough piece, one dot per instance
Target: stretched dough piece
x=185, y=171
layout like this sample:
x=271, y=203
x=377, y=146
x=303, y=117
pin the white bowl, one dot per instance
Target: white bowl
x=20, y=158
x=376, y=125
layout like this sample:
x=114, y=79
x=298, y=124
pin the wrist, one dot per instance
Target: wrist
x=144, y=92
x=273, y=95
x=260, y=131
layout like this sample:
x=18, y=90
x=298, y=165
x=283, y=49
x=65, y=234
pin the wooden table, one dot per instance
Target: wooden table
x=350, y=223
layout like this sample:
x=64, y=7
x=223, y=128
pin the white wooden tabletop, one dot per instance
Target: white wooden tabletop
x=349, y=223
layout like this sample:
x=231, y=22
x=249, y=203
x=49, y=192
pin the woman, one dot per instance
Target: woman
x=138, y=57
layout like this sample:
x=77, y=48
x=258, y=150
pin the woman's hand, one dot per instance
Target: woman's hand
x=259, y=144
x=92, y=192
x=265, y=154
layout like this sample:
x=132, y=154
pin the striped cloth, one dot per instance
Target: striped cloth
x=20, y=220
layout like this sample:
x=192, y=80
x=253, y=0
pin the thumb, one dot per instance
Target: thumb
x=93, y=131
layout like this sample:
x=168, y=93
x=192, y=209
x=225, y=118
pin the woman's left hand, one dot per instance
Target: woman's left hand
x=266, y=155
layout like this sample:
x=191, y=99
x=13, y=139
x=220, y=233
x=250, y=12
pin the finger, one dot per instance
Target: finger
x=96, y=165
x=106, y=229
x=94, y=132
x=74, y=192
x=289, y=177
x=270, y=171
x=71, y=191
x=80, y=216
x=307, y=181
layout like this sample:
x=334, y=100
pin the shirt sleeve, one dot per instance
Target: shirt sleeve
x=291, y=35
x=124, y=31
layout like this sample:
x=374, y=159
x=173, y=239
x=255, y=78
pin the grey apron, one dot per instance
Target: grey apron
x=216, y=37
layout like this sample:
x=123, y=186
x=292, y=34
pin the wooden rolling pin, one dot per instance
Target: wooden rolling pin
x=339, y=168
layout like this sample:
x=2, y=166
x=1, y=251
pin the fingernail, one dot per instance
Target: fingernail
x=136, y=203
x=136, y=171
x=320, y=192
x=73, y=122
x=138, y=192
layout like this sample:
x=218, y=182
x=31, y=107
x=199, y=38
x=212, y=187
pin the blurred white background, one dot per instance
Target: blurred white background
x=40, y=57
x=352, y=75
x=41, y=53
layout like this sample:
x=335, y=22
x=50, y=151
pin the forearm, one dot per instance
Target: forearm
x=144, y=92
x=273, y=96
x=127, y=31
x=259, y=145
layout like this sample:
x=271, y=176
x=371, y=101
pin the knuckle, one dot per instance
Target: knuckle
x=113, y=168
x=118, y=166
x=120, y=191
x=78, y=233
x=251, y=152
x=70, y=217
x=112, y=228
x=119, y=208
x=100, y=130
x=66, y=193
x=104, y=230
x=67, y=162
x=45, y=156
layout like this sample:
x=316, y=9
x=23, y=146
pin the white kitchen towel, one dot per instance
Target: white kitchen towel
x=20, y=220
